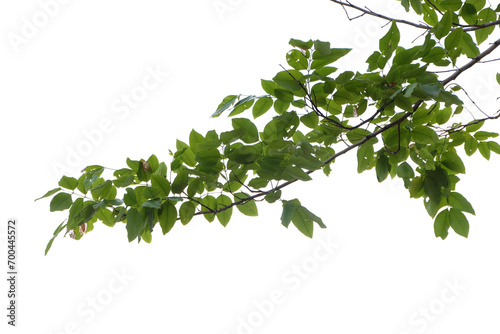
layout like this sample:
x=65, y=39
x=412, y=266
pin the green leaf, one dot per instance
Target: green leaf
x=273, y=196
x=390, y=41
x=185, y=153
x=452, y=161
x=469, y=13
x=484, y=150
x=248, y=208
x=103, y=190
x=310, y=120
x=459, y=202
x=262, y=106
x=474, y=127
x=225, y=104
x=470, y=146
x=130, y=198
x=405, y=171
x=365, y=155
x=146, y=236
x=289, y=79
x=301, y=44
x=60, y=202
x=302, y=222
x=251, y=135
x=168, y=217
x=322, y=47
x=186, y=212
x=153, y=203
x=106, y=216
x=292, y=172
x=49, y=193
x=469, y=48
x=382, y=168
x=483, y=135
x=84, y=216
x=283, y=95
x=498, y=76
x=444, y=25
x=485, y=16
x=417, y=6
x=459, y=222
x=443, y=115
x=424, y=135
x=68, y=182
x=451, y=5
x=162, y=184
x=406, y=5
x=180, y=181
x=430, y=15
x=135, y=225
x=288, y=210
x=243, y=105
x=321, y=60
x=297, y=60
x=494, y=146
x=442, y=224
x=209, y=203
x=416, y=187
x=224, y=216
x=55, y=234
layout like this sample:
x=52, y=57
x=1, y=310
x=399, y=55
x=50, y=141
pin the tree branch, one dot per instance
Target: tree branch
x=373, y=134
x=369, y=12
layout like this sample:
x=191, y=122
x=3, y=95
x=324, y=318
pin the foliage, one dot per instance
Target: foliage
x=400, y=116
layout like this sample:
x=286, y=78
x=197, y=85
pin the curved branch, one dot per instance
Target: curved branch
x=373, y=134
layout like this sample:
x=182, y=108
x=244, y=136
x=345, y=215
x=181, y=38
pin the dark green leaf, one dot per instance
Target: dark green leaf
x=180, y=181
x=382, y=168
x=68, y=182
x=444, y=25
x=453, y=162
x=153, y=203
x=459, y=202
x=251, y=133
x=289, y=79
x=162, y=184
x=390, y=41
x=60, y=202
x=168, y=217
x=262, y=106
x=297, y=60
x=293, y=172
x=224, y=216
x=484, y=150
x=135, y=224
x=405, y=171
x=483, y=135
x=322, y=47
x=424, y=135
x=459, y=222
x=494, y=146
x=186, y=212
x=49, y=193
x=273, y=196
x=321, y=60
x=248, y=208
x=301, y=44
x=442, y=224
x=310, y=120
x=470, y=146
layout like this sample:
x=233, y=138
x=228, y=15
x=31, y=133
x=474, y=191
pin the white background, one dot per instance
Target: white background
x=254, y=276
